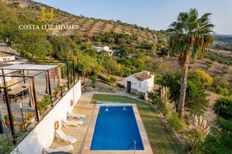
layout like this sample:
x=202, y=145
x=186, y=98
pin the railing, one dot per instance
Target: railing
x=132, y=145
x=43, y=134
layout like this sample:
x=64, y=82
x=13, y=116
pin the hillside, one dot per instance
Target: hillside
x=88, y=26
x=223, y=42
x=224, y=38
x=137, y=48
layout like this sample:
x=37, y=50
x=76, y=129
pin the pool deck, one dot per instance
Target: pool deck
x=84, y=133
x=84, y=106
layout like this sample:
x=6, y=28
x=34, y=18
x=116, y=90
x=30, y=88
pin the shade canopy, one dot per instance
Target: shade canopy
x=32, y=67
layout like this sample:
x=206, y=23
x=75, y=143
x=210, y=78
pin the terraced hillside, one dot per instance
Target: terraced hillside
x=88, y=26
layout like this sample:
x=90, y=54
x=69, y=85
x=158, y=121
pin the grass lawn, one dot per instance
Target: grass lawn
x=159, y=136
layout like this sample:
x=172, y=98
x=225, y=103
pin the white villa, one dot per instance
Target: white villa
x=6, y=58
x=104, y=48
x=67, y=123
x=139, y=83
x=10, y=56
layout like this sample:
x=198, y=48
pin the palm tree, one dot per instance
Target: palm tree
x=190, y=36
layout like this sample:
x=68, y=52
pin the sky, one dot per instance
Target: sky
x=155, y=14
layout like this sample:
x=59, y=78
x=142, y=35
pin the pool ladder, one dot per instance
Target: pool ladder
x=133, y=145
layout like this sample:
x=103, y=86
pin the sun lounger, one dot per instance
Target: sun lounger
x=67, y=138
x=67, y=148
x=76, y=115
x=72, y=122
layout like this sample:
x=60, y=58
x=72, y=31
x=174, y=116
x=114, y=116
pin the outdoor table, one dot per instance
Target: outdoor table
x=17, y=92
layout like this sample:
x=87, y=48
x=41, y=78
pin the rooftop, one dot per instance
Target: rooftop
x=2, y=54
x=144, y=75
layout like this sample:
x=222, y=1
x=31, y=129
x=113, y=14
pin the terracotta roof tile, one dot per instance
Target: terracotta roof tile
x=144, y=75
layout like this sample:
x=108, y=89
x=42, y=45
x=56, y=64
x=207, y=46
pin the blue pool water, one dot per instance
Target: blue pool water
x=116, y=129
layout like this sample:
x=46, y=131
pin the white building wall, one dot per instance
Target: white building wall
x=106, y=48
x=43, y=134
x=8, y=58
x=134, y=82
x=142, y=86
x=147, y=85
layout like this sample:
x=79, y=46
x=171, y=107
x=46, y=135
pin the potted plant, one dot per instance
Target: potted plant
x=42, y=105
x=62, y=88
x=57, y=92
x=29, y=118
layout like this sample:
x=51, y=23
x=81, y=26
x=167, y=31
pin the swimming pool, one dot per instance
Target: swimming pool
x=116, y=129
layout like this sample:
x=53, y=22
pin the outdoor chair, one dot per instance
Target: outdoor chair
x=62, y=136
x=76, y=115
x=72, y=122
x=67, y=148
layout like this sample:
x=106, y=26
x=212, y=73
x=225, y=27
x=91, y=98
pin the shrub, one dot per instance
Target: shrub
x=141, y=95
x=94, y=78
x=220, y=141
x=121, y=86
x=217, y=144
x=28, y=117
x=176, y=123
x=5, y=147
x=222, y=90
x=110, y=80
x=161, y=102
x=223, y=107
x=202, y=75
x=219, y=58
x=58, y=91
x=200, y=128
x=196, y=101
x=221, y=86
x=154, y=97
x=42, y=105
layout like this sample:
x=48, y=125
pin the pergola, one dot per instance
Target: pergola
x=34, y=67
x=18, y=71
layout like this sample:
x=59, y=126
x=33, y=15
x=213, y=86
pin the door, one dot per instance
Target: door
x=128, y=87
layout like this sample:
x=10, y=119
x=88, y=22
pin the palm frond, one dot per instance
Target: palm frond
x=191, y=35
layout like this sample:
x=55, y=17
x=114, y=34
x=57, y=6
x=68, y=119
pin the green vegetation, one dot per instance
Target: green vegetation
x=44, y=104
x=196, y=102
x=221, y=86
x=219, y=58
x=204, y=77
x=190, y=36
x=112, y=38
x=220, y=141
x=5, y=145
x=224, y=46
x=223, y=42
x=132, y=54
x=159, y=135
x=176, y=123
x=136, y=49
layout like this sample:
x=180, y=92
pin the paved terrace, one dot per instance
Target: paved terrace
x=84, y=106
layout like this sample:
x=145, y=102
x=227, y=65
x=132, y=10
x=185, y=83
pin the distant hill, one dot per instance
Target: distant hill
x=223, y=42
x=88, y=26
x=224, y=38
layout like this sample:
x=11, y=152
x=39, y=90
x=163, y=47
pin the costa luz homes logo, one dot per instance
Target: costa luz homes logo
x=47, y=15
x=47, y=21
